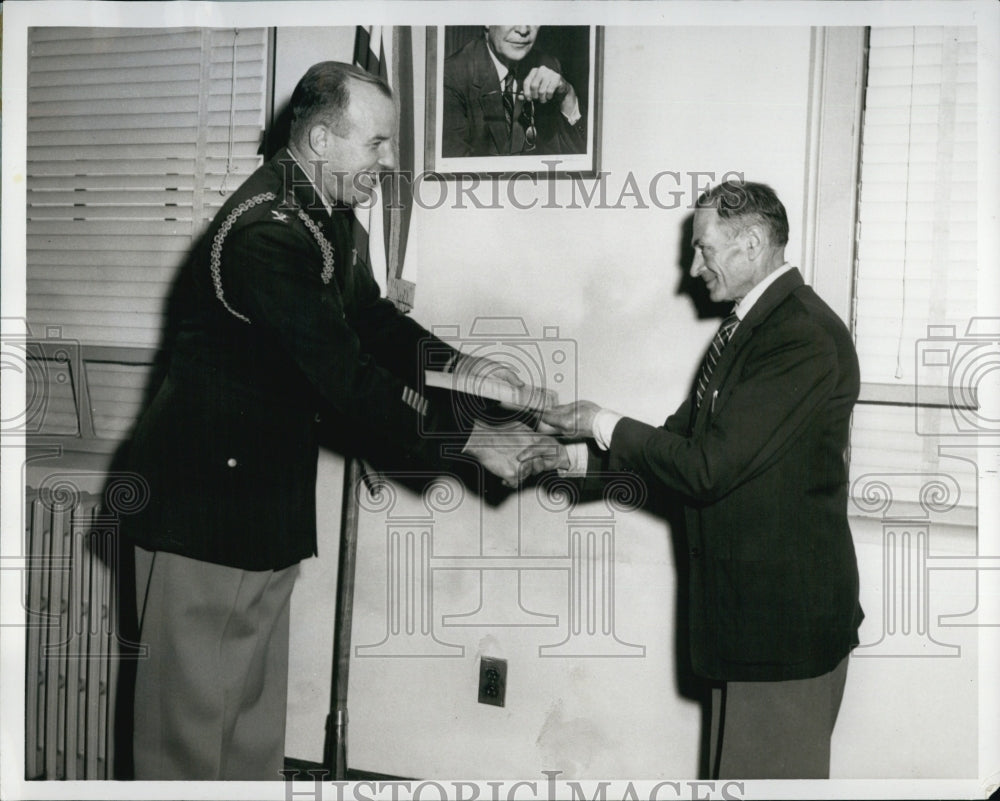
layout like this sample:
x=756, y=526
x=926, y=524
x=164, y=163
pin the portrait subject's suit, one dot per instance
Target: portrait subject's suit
x=761, y=468
x=473, y=120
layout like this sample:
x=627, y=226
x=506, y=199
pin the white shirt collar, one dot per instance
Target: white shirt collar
x=326, y=203
x=754, y=294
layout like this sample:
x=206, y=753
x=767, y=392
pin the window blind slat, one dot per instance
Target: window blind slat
x=82, y=77
x=918, y=152
x=96, y=212
x=922, y=133
x=104, y=243
x=81, y=305
x=169, y=169
x=123, y=38
x=917, y=213
x=59, y=94
x=881, y=115
x=150, y=136
x=56, y=289
x=216, y=148
x=116, y=61
x=89, y=229
x=109, y=262
x=112, y=196
x=130, y=107
x=879, y=251
x=929, y=74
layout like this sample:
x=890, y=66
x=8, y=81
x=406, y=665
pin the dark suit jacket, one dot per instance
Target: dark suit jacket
x=473, y=121
x=774, y=578
x=228, y=444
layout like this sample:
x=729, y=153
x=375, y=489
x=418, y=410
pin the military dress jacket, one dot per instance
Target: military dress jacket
x=278, y=328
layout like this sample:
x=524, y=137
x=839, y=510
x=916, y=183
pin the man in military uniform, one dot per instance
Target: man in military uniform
x=278, y=325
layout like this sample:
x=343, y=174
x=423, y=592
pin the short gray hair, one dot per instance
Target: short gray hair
x=745, y=202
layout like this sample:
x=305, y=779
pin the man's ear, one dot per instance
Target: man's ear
x=318, y=136
x=754, y=238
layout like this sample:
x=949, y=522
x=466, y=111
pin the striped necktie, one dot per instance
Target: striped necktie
x=722, y=337
x=508, y=99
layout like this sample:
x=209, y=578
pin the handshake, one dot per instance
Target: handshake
x=515, y=451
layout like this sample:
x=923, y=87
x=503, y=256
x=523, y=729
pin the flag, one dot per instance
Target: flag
x=382, y=229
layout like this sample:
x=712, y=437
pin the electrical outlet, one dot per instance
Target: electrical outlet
x=492, y=680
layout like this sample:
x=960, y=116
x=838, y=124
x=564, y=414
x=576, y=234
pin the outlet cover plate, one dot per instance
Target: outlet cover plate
x=492, y=680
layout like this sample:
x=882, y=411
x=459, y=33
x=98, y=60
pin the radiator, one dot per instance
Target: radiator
x=72, y=651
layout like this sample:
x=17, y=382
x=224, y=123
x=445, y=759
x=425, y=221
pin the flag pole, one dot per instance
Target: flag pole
x=335, y=743
x=335, y=746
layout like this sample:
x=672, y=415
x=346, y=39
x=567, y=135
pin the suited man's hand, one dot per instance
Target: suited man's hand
x=571, y=419
x=543, y=84
x=545, y=453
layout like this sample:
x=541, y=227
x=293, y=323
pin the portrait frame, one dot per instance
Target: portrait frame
x=580, y=51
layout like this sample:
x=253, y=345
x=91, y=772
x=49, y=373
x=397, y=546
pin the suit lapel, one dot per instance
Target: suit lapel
x=761, y=310
x=486, y=84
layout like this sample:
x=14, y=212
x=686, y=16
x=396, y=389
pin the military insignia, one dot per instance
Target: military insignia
x=279, y=216
x=415, y=401
x=215, y=263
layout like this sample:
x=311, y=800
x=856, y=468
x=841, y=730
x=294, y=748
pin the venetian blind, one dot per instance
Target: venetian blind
x=135, y=137
x=916, y=259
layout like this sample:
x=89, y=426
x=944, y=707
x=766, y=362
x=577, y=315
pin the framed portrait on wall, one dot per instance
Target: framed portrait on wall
x=513, y=99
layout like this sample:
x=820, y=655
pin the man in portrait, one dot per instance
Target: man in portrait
x=503, y=96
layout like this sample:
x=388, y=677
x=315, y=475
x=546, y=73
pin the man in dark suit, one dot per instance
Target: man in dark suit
x=503, y=97
x=279, y=325
x=757, y=452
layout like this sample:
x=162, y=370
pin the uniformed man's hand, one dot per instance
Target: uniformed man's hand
x=544, y=454
x=471, y=369
x=496, y=448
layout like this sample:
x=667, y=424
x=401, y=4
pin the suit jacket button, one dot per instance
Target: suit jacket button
x=318, y=418
x=695, y=553
x=231, y=462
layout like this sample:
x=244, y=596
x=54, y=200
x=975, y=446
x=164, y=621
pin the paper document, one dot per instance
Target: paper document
x=526, y=397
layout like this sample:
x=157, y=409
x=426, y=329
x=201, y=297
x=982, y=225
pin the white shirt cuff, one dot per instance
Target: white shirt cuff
x=578, y=456
x=604, y=427
x=574, y=116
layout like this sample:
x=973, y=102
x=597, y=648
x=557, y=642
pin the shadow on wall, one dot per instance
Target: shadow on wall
x=694, y=288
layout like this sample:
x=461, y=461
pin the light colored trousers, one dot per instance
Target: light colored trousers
x=775, y=729
x=210, y=698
